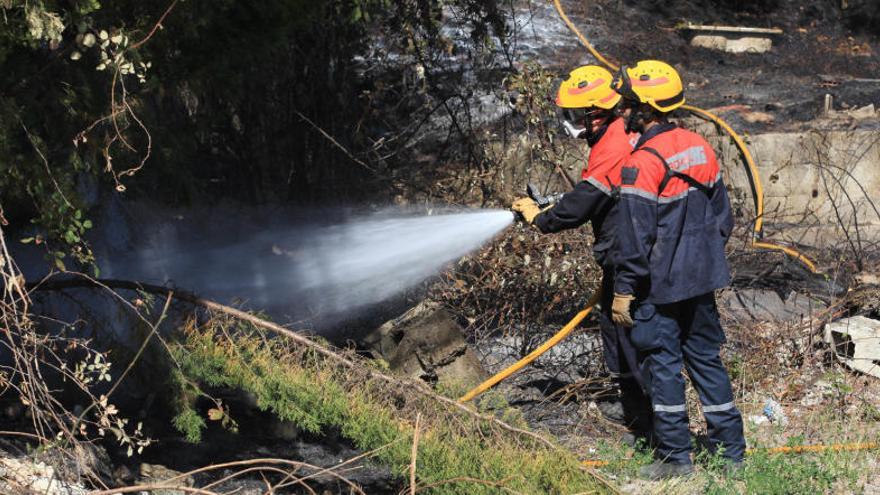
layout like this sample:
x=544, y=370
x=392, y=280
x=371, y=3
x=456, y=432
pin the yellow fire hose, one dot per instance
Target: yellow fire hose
x=560, y=335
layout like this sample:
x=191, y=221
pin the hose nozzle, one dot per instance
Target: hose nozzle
x=543, y=201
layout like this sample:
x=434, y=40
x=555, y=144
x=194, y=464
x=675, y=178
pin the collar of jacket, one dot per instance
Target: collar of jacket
x=654, y=132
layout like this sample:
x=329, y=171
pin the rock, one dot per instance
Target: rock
x=426, y=343
x=856, y=342
x=157, y=473
x=865, y=112
x=867, y=278
x=34, y=477
x=767, y=305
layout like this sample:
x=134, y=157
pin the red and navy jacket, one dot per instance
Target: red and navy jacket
x=593, y=199
x=670, y=239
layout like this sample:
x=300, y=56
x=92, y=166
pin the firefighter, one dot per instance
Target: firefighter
x=674, y=219
x=588, y=104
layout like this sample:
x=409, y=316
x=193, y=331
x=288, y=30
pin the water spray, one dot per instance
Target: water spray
x=316, y=273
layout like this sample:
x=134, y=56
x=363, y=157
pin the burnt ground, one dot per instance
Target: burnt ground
x=822, y=50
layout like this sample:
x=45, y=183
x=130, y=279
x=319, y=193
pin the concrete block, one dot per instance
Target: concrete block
x=749, y=44
x=745, y=44
x=856, y=343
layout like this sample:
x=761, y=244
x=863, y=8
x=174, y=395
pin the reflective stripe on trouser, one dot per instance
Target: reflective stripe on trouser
x=621, y=358
x=686, y=334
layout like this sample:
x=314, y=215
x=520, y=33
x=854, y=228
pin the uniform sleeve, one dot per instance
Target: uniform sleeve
x=636, y=234
x=721, y=208
x=574, y=209
x=636, y=229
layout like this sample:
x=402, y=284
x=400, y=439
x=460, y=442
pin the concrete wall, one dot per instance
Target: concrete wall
x=819, y=186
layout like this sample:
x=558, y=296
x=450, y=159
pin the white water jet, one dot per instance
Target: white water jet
x=366, y=262
x=308, y=272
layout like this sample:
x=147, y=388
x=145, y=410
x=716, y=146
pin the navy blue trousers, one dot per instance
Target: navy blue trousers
x=686, y=334
x=621, y=359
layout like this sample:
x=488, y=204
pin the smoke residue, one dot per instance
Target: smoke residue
x=311, y=272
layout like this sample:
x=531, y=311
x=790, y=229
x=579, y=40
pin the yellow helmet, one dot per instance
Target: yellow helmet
x=587, y=86
x=653, y=82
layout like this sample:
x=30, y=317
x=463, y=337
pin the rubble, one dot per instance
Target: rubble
x=856, y=342
x=25, y=475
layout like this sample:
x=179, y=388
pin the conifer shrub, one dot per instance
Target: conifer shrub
x=457, y=453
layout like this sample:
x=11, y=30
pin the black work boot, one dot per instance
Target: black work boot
x=659, y=470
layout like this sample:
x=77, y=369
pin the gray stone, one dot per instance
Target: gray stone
x=25, y=475
x=811, y=181
x=426, y=343
x=767, y=305
x=157, y=473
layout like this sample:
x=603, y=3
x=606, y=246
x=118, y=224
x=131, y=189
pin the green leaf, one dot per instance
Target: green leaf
x=77, y=214
x=87, y=224
x=60, y=264
x=27, y=240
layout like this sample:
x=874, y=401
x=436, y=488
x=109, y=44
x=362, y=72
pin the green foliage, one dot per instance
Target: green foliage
x=763, y=472
x=319, y=398
x=190, y=423
x=783, y=474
